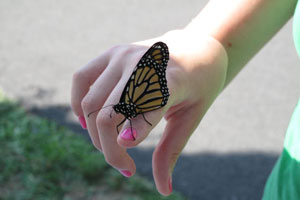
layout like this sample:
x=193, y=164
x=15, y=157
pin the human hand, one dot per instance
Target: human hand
x=195, y=75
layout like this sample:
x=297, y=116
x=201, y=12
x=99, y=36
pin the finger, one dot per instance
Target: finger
x=115, y=155
x=84, y=78
x=177, y=132
x=96, y=97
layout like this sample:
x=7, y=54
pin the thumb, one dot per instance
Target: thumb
x=180, y=126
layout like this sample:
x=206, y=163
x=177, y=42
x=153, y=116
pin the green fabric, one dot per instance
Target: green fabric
x=284, y=181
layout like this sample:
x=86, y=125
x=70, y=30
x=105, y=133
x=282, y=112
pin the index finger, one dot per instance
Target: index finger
x=84, y=78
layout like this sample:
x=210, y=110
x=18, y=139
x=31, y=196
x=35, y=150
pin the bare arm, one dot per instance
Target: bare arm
x=242, y=26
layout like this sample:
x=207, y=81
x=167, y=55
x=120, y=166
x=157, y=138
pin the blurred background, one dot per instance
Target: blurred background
x=42, y=43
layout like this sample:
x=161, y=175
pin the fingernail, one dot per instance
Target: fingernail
x=128, y=135
x=125, y=173
x=82, y=122
x=170, y=184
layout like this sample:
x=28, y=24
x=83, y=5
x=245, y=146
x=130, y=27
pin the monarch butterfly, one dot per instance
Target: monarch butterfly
x=146, y=90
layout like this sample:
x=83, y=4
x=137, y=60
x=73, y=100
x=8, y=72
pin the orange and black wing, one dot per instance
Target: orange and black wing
x=147, y=86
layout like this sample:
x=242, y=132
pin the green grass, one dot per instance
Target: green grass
x=41, y=160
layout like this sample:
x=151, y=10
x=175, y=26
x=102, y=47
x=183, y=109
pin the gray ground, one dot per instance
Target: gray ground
x=233, y=150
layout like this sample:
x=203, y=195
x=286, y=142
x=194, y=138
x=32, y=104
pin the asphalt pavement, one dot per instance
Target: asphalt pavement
x=236, y=145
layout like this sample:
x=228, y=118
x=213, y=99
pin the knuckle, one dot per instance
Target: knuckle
x=103, y=120
x=123, y=50
x=115, y=48
x=78, y=76
x=123, y=55
x=118, y=51
x=87, y=103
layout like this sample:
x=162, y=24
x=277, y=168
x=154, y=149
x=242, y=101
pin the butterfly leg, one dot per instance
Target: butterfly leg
x=131, y=129
x=111, y=114
x=146, y=120
x=120, y=125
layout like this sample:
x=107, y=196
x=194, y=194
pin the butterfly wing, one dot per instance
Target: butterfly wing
x=147, y=86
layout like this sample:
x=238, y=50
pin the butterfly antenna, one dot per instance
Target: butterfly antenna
x=98, y=110
x=93, y=112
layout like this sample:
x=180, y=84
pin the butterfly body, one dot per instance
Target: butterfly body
x=128, y=110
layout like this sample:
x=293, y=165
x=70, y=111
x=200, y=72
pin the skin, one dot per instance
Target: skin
x=204, y=57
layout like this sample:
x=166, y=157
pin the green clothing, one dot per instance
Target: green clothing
x=284, y=181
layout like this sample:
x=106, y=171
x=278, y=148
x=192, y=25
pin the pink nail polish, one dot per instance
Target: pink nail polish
x=82, y=122
x=170, y=184
x=125, y=173
x=128, y=135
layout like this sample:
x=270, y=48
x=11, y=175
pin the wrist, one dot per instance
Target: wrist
x=198, y=52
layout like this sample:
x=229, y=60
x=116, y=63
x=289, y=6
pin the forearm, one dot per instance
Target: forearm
x=243, y=27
